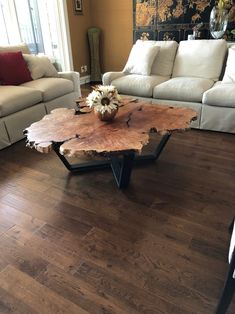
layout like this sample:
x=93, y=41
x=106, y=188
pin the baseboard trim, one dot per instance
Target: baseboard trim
x=85, y=79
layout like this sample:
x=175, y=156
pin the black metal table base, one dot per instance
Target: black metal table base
x=121, y=166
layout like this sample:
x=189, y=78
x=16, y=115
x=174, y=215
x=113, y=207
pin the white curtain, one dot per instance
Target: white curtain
x=42, y=24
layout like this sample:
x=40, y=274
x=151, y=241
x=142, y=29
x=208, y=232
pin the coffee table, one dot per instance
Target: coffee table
x=69, y=133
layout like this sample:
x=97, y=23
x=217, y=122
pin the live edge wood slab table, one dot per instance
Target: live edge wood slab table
x=69, y=133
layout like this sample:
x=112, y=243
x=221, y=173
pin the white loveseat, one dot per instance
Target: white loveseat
x=191, y=74
x=26, y=103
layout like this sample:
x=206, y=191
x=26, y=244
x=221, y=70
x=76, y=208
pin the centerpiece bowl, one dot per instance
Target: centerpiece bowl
x=105, y=100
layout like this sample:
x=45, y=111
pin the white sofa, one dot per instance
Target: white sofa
x=189, y=74
x=26, y=103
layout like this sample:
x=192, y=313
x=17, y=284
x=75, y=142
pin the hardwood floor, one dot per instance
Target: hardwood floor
x=77, y=244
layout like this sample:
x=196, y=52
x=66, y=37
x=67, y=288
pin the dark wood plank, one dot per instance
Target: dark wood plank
x=77, y=291
x=10, y=216
x=41, y=213
x=14, y=253
x=11, y=304
x=131, y=265
x=134, y=299
x=28, y=290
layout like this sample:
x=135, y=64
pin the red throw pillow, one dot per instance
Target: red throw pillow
x=13, y=69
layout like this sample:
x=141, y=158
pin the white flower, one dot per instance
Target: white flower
x=104, y=98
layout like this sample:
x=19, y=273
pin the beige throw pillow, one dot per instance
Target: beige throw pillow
x=229, y=75
x=164, y=61
x=141, y=59
x=40, y=66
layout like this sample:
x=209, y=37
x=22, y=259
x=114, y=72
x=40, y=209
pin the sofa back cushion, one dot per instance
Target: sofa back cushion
x=40, y=66
x=141, y=59
x=163, y=63
x=200, y=58
x=21, y=47
x=229, y=75
x=13, y=69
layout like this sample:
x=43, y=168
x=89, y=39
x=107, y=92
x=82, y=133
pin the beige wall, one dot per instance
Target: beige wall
x=78, y=25
x=114, y=18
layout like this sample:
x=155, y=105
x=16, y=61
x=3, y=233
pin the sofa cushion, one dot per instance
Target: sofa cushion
x=16, y=98
x=229, y=75
x=13, y=69
x=163, y=62
x=21, y=47
x=138, y=85
x=51, y=87
x=221, y=95
x=183, y=88
x=141, y=59
x=200, y=58
x=40, y=66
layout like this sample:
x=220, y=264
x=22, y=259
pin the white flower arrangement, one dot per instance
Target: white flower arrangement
x=104, y=99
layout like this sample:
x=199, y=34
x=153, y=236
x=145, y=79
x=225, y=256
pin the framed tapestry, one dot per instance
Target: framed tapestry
x=171, y=20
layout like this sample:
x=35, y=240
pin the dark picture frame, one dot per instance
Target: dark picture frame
x=78, y=7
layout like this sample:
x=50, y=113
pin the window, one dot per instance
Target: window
x=42, y=24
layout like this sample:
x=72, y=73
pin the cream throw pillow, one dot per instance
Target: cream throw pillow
x=163, y=63
x=229, y=75
x=141, y=59
x=40, y=66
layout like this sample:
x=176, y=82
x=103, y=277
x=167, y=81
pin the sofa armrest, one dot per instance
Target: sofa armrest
x=108, y=77
x=74, y=77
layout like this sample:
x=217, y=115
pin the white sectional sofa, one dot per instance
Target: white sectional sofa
x=26, y=103
x=191, y=74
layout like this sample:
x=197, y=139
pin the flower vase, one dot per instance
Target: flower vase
x=106, y=116
x=218, y=22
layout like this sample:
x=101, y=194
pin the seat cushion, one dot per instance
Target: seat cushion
x=51, y=87
x=183, y=88
x=164, y=60
x=138, y=85
x=200, y=58
x=222, y=95
x=16, y=98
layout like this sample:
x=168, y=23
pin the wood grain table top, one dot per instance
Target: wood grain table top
x=86, y=133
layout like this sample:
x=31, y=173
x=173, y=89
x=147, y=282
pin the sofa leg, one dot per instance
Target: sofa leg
x=231, y=225
x=226, y=297
x=228, y=290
